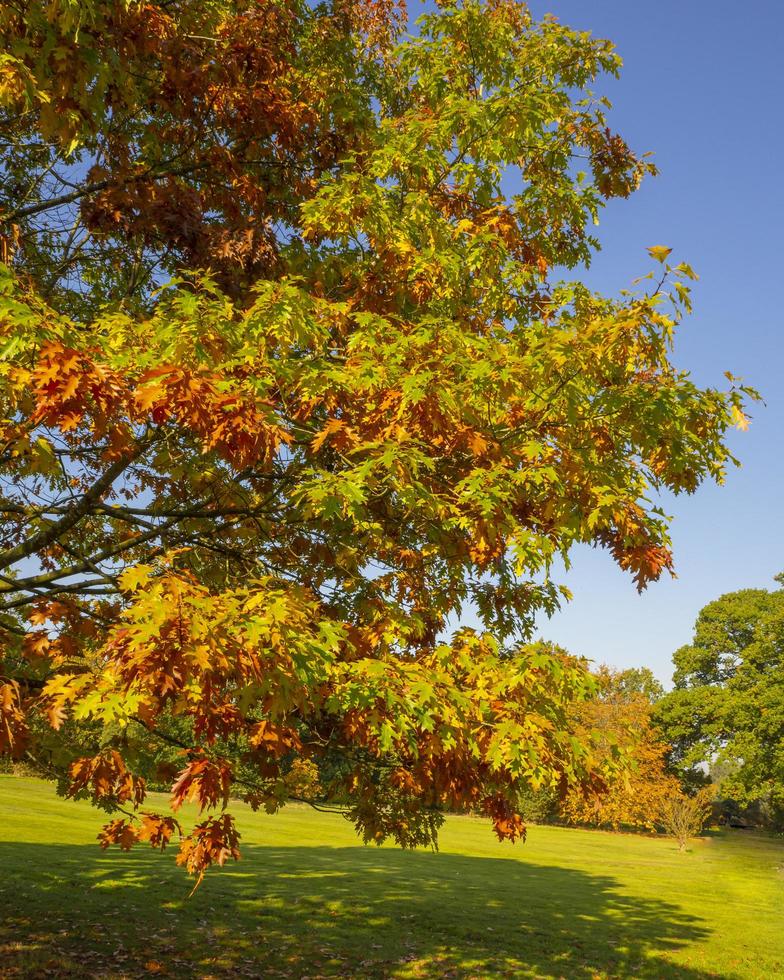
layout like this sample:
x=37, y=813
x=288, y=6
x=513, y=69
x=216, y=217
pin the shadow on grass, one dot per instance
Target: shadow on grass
x=319, y=911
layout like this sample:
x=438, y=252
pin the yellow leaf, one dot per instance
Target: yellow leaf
x=739, y=420
x=659, y=252
x=134, y=578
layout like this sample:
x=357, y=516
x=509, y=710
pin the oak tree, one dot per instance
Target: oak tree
x=293, y=368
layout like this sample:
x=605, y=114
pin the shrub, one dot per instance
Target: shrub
x=683, y=817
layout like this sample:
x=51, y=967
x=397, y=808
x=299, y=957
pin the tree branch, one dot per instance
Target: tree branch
x=73, y=514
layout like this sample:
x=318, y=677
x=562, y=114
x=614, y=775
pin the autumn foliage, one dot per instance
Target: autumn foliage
x=617, y=721
x=288, y=382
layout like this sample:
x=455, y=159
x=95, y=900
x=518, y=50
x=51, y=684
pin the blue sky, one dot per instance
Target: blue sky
x=701, y=87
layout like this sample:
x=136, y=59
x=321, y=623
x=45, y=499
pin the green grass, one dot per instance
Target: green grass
x=308, y=900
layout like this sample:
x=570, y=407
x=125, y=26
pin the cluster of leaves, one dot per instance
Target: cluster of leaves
x=618, y=720
x=240, y=513
x=726, y=712
x=141, y=138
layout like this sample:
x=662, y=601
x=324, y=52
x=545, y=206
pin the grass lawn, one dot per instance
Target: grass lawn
x=308, y=900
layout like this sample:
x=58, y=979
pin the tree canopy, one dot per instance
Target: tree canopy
x=617, y=721
x=292, y=369
x=727, y=709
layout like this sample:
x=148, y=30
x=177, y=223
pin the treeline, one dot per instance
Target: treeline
x=724, y=719
x=717, y=737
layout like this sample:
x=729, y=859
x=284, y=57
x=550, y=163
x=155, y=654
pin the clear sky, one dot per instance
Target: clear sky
x=701, y=87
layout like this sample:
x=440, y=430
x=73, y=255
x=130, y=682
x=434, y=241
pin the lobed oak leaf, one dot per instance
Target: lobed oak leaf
x=69, y=421
x=37, y=646
x=212, y=842
x=118, y=832
x=337, y=432
x=56, y=713
x=205, y=781
x=148, y=396
x=477, y=442
x=135, y=578
x=13, y=723
x=108, y=777
x=659, y=252
x=157, y=829
x=739, y=419
x=275, y=739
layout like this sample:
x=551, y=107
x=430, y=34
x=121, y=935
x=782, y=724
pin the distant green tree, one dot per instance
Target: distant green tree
x=637, y=681
x=727, y=709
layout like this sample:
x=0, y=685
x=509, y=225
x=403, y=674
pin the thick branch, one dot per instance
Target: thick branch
x=73, y=514
x=55, y=202
x=91, y=588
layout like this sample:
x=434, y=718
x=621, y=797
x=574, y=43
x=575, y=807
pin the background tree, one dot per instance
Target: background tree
x=635, y=681
x=239, y=513
x=617, y=721
x=727, y=709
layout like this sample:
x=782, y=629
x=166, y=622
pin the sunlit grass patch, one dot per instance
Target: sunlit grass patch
x=308, y=900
